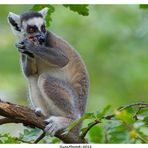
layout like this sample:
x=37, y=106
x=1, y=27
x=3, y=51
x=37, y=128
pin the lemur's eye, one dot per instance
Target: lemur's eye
x=32, y=29
x=43, y=28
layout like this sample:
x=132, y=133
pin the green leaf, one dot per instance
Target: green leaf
x=138, y=124
x=76, y=122
x=118, y=134
x=143, y=6
x=6, y=138
x=103, y=112
x=144, y=130
x=29, y=134
x=146, y=120
x=124, y=116
x=89, y=116
x=38, y=7
x=144, y=111
x=80, y=9
x=96, y=134
x=130, y=110
x=55, y=140
x=51, y=140
x=48, y=16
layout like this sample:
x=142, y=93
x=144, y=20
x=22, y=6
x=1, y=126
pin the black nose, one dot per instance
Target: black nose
x=41, y=39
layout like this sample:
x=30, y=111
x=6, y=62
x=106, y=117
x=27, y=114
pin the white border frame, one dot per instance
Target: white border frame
x=74, y=2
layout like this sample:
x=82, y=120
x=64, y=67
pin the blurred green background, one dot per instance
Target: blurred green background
x=112, y=40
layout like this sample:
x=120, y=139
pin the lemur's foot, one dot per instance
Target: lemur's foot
x=38, y=112
x=54, y=124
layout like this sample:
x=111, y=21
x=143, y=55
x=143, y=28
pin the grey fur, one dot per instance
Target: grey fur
x=60, y=91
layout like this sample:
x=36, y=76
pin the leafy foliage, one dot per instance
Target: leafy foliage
x=144, y=6
x=96, y=134
x=125, y=116
x=6, y=138
x=80, y=9
x=50, y=11
x=121, y=127
x=28, y=136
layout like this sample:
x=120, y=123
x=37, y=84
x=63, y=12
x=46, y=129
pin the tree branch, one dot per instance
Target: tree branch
x=140, y=104
x=5, y=120
x=19, y=114
x=89, y=127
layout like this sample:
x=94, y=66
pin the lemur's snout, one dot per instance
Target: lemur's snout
x=41, y=38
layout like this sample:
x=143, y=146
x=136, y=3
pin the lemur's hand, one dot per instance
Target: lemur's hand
x=20, y=46
x=25, y=46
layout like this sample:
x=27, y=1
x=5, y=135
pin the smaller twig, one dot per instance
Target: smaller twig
x=106, y=135
x=128, y=126
x=140, y=104
x=40, y=137
x=143, y=140
x=136, y=113
x=89, y=127
x=109, y=117
x=143, y=105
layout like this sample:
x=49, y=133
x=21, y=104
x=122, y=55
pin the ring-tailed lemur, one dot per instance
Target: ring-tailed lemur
x=56, y=74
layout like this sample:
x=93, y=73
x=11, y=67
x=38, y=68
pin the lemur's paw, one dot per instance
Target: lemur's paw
x=53, y=125
x=28, y=44
x=38, y=112
x=20, y=46
x=25, y=45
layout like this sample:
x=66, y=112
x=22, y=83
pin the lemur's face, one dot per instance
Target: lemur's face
x=29, y=25
x=34, y=29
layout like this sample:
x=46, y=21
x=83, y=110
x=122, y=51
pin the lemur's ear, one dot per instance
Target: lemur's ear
x=14, y=21
x=44, y=11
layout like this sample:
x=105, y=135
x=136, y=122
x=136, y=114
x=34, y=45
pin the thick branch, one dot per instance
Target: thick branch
x=5, y=120
x=20, y=114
